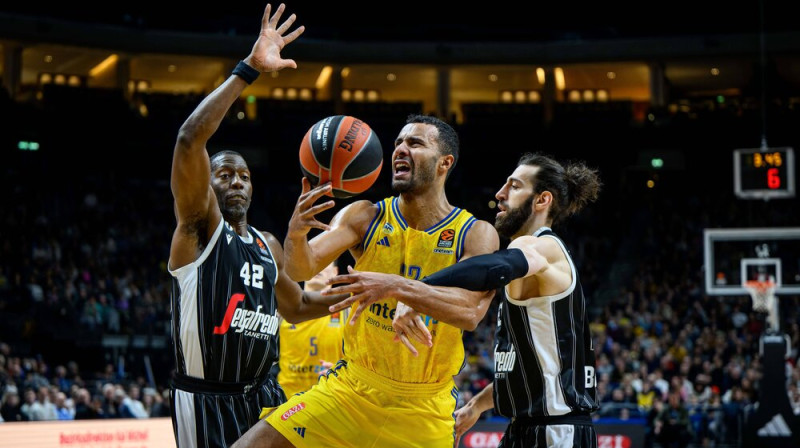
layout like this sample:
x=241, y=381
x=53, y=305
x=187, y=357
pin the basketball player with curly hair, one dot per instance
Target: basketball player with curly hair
x=544, y=360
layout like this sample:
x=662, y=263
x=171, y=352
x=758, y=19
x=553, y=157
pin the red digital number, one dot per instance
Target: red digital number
x=773, y=179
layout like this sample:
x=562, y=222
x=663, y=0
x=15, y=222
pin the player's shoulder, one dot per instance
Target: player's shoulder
x=267, y=237
x=360, y=210
x=482, y=234
x=546, y=245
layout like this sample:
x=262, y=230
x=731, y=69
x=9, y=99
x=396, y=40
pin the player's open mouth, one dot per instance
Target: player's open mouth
x=401, y=168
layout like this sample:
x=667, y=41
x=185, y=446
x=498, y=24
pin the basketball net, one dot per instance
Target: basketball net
x=762, y=291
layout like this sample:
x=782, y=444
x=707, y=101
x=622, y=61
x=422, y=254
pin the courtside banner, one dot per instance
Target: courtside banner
x=487, y=434
x=108, y=433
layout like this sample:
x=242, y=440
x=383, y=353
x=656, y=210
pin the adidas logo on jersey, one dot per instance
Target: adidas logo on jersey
x=776, y=427
x=383, y=241
x=301, y=431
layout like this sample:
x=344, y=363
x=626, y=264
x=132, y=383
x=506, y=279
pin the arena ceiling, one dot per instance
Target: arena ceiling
x=198, y=43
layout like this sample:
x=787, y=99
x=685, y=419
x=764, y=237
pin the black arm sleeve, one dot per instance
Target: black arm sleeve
x=482, y=272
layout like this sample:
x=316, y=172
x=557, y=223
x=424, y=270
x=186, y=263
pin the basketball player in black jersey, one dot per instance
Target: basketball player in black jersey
x=228, y=281
x=544, y=360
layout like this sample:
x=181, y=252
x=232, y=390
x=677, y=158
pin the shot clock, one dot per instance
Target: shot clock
x=763, y=173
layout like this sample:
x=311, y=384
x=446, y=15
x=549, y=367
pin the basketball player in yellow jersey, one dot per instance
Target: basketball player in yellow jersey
x=311, y=347
x=381, y=394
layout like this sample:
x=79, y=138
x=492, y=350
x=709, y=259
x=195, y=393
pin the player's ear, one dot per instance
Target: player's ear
x=542, y=201
x=446, y=162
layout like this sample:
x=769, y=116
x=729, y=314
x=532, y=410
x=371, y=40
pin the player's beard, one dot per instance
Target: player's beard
x=512, y=221
x=233, y=212
x=418, y=179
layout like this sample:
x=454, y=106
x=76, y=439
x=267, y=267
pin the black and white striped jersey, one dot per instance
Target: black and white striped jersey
x=544, y=359
x=224, y=311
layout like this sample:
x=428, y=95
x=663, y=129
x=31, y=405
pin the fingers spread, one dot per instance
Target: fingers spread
x=408, y=344
x=273, y=21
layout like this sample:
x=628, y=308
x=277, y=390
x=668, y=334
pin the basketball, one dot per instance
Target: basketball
x=343, y=150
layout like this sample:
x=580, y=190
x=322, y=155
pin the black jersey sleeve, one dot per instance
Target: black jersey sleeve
x=482, y=272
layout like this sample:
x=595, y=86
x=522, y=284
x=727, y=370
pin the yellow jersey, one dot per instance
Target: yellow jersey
x=303, y=346
x=392, y=247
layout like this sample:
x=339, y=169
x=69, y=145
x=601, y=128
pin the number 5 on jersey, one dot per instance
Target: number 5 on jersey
x=257, y=275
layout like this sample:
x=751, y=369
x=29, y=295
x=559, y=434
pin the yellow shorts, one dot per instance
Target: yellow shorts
x=354, y=407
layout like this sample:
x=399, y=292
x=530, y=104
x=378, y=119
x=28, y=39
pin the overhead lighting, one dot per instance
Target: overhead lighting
x=559, y=75
x=324, y=77
x=714, y=71
x=540, y=75
x=103, y=66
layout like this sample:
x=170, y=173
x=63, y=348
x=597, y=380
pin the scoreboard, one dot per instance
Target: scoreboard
x=763, y=173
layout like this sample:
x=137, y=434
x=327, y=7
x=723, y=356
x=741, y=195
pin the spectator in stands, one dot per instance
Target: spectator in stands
x=108, y=407
x=133, y=404
x=645, y=397
x=31, y=407
x=60, y=380
x=11, y=408
x=85, y=409
x=63, y=409
x=733, y=409
x=650, y=421
x=672, y=427
x=161, y=405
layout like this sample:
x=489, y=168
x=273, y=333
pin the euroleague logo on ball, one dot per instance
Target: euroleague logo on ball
x=342, y=150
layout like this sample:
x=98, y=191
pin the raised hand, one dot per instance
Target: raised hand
x=304, y=216
x=266, y=53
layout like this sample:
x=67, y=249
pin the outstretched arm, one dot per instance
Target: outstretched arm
x=196, y=206
x=456, y=306
x=294, y=303
x=492, y=271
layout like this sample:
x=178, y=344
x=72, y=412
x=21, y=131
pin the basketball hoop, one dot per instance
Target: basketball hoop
x=763, y=294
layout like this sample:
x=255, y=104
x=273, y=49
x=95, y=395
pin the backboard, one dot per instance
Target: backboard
x=734, y=256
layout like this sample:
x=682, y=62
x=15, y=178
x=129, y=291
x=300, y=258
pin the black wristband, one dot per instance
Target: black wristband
x=244, y=71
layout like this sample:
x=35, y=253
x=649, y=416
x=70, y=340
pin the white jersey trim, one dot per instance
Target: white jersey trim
x=554, y=297
x=189, y=323
x=543, y=337
x=187, y=422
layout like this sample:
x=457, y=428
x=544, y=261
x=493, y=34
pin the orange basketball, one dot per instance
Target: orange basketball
x=343, y=150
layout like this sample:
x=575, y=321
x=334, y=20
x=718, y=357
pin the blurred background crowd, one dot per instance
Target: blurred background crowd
x=87, y=219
